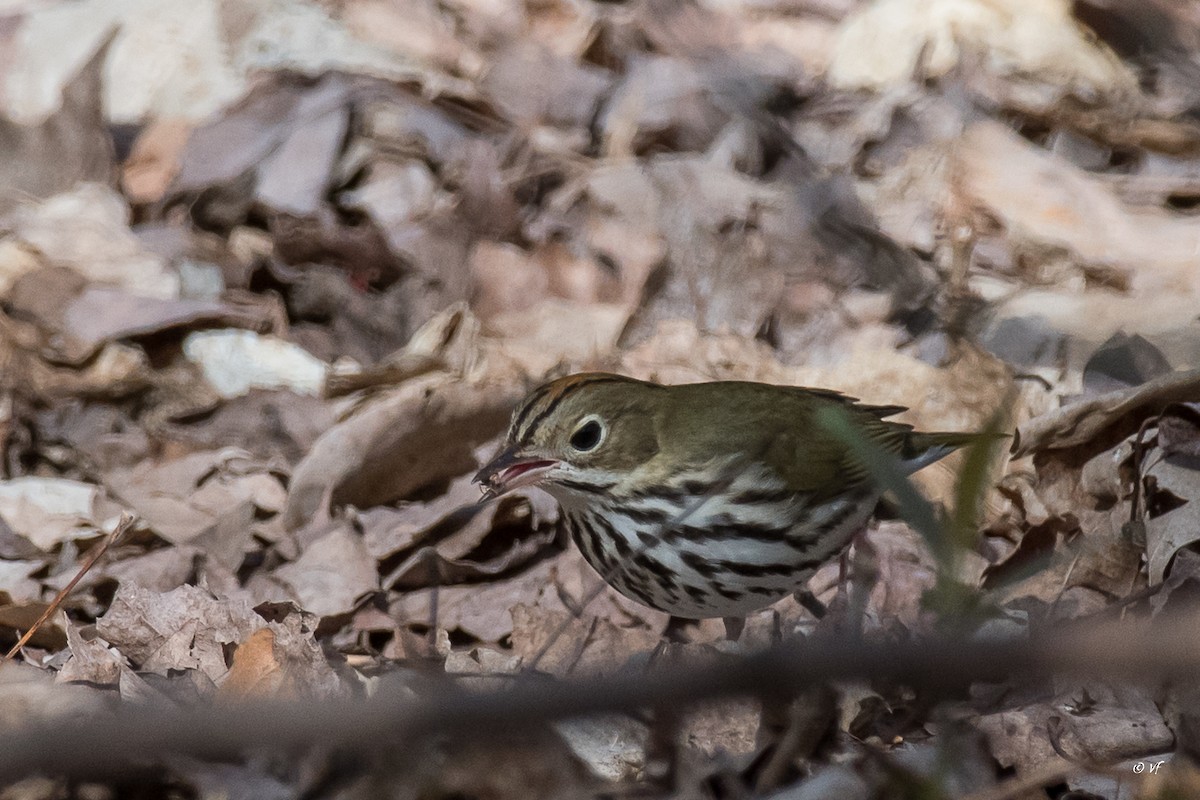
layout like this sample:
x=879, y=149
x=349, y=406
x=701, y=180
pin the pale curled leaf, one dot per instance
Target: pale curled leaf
x=417, y=434
x=1080, y=422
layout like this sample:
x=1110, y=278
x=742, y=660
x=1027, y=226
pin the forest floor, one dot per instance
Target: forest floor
x=274, y=274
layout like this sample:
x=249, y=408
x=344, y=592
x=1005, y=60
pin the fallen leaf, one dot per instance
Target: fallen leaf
x=15, y=584
x=1086, y=419
x=92, y=660
x=1117, y=723
x=1024, y=39
x=611, y=745
x=1177, y=528
x=331, y=574
x=21, y=616
x=87, y=230
x=576, y=646
x=413, y=436
x=235, y=362
x=101, y=314
x=154, y=160
x=183, y=629
x=189, y=497
x=68, y=146
x=254, y=671
x=50, y=511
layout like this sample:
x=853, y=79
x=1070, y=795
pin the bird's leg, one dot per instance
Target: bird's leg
x=734, y=627
x=862, y=580
x=674, y=632
x=842, y=608
x=809, y=602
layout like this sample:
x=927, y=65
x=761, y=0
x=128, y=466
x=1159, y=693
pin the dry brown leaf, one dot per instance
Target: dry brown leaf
x=235, y=362
x=254, y=672
x=416, y=435
x=612, y=746
x=388, y=531
x=1085, y=420
x=295, y=177
x=886, y=44
x=507, y=536
x=727, y=728
x=184, y=629
x=92, y=660
x=661, y=99
x=482, y=611
x=1091, y=723
x=331, y=574
x=534, y=87
x=69, y=146
x=159, y=570
x=154, y=160
x=506, y=280
x=395, y=194
x=50, y=511
x=116, y=371
x=100, y=314
x=274, y=426
x=15, y=584
x=87, y=230
x=20, y=617
x=577, y=646
x=1168, y=533
x=1146, y=255
x=306, y=669
x=422, y=31
x=210, y=495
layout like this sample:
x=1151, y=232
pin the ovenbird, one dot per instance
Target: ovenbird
x=705, y=499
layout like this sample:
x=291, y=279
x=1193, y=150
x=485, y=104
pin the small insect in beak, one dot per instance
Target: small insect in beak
x=511, y=469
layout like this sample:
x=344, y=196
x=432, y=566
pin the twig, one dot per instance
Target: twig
x=123, y=524
x=105, y=744
x=433, y=562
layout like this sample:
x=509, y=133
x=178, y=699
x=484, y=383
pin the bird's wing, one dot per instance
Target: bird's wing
x=815, y=460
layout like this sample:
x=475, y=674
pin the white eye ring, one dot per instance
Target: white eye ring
x=593, y=432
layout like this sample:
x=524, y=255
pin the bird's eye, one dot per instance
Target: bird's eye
x=588, y=435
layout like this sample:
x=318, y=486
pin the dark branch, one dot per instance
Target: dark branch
x=105, y=743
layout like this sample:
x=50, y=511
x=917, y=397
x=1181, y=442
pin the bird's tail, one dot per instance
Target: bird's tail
x=922, y=449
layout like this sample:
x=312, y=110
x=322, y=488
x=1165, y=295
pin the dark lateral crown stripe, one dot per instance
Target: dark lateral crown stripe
x=564, y=388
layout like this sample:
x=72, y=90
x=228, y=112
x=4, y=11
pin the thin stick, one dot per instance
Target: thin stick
x=104, y=744
x=123, y=524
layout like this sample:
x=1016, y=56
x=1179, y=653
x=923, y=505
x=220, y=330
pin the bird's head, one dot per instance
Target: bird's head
x=582, y=432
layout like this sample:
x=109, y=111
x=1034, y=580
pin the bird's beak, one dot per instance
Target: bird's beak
x=511, y=469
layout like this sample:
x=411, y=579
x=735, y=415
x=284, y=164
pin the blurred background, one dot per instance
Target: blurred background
x=273, y=274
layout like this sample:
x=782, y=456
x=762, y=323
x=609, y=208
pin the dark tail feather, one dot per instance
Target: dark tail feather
x=922, y=449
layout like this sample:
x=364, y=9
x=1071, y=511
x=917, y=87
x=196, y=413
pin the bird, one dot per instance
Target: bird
x=703, y=500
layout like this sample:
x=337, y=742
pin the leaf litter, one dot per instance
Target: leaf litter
x=280, y=306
